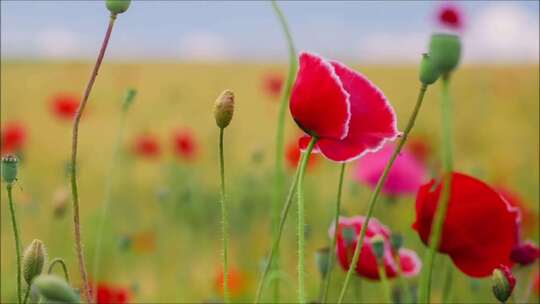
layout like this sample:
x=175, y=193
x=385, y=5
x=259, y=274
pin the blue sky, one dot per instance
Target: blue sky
x=378, y=31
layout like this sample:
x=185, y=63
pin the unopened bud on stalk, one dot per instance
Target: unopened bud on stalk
x=445, y=52
x=377, y=243
x=224, y=109
x=33, y=260
x=9, y=168
x=54, y=289
x=503, y=283
x=117, y=6
x=428, y=73
x=322, y=258
x=128, y=100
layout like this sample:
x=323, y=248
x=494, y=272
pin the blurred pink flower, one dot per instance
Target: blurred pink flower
x=405, y=177
x=450, y=16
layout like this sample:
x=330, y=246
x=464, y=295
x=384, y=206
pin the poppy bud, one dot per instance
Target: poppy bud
x=396, y=240
x=224, y=109
x=117, y=6
x=9, y=168
x=348, y=235
x=444, y=52
x=128, y=100
x=322, y=257
x=503, y=283
x=33, y=260
x=377, y=243
x=428, y=73
x=54, y=289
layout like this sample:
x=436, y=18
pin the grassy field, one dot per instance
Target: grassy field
x=174, y=204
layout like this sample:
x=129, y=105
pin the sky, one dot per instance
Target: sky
x=360, y=31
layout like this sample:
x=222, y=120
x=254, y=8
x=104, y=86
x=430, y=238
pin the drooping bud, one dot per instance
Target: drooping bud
x=322, y=257
x=33, y=260
x=396, y=241
x=445, y=52
x=224, y=109
x=9, y=168
x=377, y=243
x=349, y=235
x=525, y=253
x=117, y=6
x=128, y=100
x=54, y=289
x=503, y=283
x=428, y=73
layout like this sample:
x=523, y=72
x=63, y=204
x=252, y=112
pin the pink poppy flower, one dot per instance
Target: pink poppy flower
x=405, y=177
x=64, y=106
x=272, y=84
x=147, y=146
x=348, y=114
x=185, y=145
x=348, y=231
x=12, y=137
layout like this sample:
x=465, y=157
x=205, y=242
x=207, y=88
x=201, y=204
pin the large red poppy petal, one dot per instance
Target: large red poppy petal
x=319, y=104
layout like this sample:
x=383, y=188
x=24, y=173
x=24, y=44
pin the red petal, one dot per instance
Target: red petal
x=319, y=103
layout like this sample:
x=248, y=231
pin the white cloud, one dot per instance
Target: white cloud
x=204, y=46
x=57, y=43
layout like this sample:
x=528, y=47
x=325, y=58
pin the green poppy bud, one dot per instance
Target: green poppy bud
x=128, y=100
x=117, y=6
x=377, y=243
x=33, y=260
x=54, y=289
x=502, y=283
x=224, y=109
x=9, y=168
x=445, y=52
x=428, y=73
x=322, y=257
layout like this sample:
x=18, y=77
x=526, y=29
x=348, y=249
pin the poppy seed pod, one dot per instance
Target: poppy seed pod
x=377, y=243
x=503, y=283
x=117, y=6
x=322, y=258
x=224, y=109
x=349, y=235
x=396, y=240
x=33, y=260
x=444, y=52
x=9, y=168
x=54, y=289
x=428, y=73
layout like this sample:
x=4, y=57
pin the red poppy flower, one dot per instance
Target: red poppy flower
x=525, y=253
x=348, y=230
x=12, y=137
x=272, y=84
x=185, y=145
x=450, y=16
x=237, y=282
x=147, y=145
x=293, y=154
x=343, y=108
x=64, y=106
x=528, y=217
x=480, y=228
x=108, y=294
x=419, y=148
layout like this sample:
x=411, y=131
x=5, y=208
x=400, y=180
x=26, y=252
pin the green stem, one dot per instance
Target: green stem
x=225, y=225
x=86, y=290
x=280, y=135
x=17, y=239
x=27, y=293
x=378, y=187
x=440, y=213
x=277, y=238
x=334, y=237
x=301, y=224
x=448, y=280
x=384, y=281
x=402, y=282
x=64, y=267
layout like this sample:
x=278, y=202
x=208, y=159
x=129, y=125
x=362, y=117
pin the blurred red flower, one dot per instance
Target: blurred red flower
x=185, y=145
x=419, y=148
x=12, y=137
x=293, y=154
x=272, y=84
x=450, y=16
x=480, y=229
x=237, y=282
x=147, y=145
x=528, y=217
x=109, y=294
x=348, y=114
x=64, y=106
x=348, y=230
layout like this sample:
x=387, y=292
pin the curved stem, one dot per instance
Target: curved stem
x=378, y=187
x=440, y=213
x=277, y=238
x=279, y=175
x=64, y=267
x=86, y=290
x=224, y=225
x=27, y=293
x=384, y=281
x=301, y=224
x=334, y=237
x=9, y=187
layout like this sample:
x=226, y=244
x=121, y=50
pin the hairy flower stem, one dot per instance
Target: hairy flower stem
x=86, y=290
x=384, y=281
x=334, y=237
x=279, y=174
x=378, y=187
x=301, y=219
x=9, y=188
x=440, y=213
x=225, y=224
